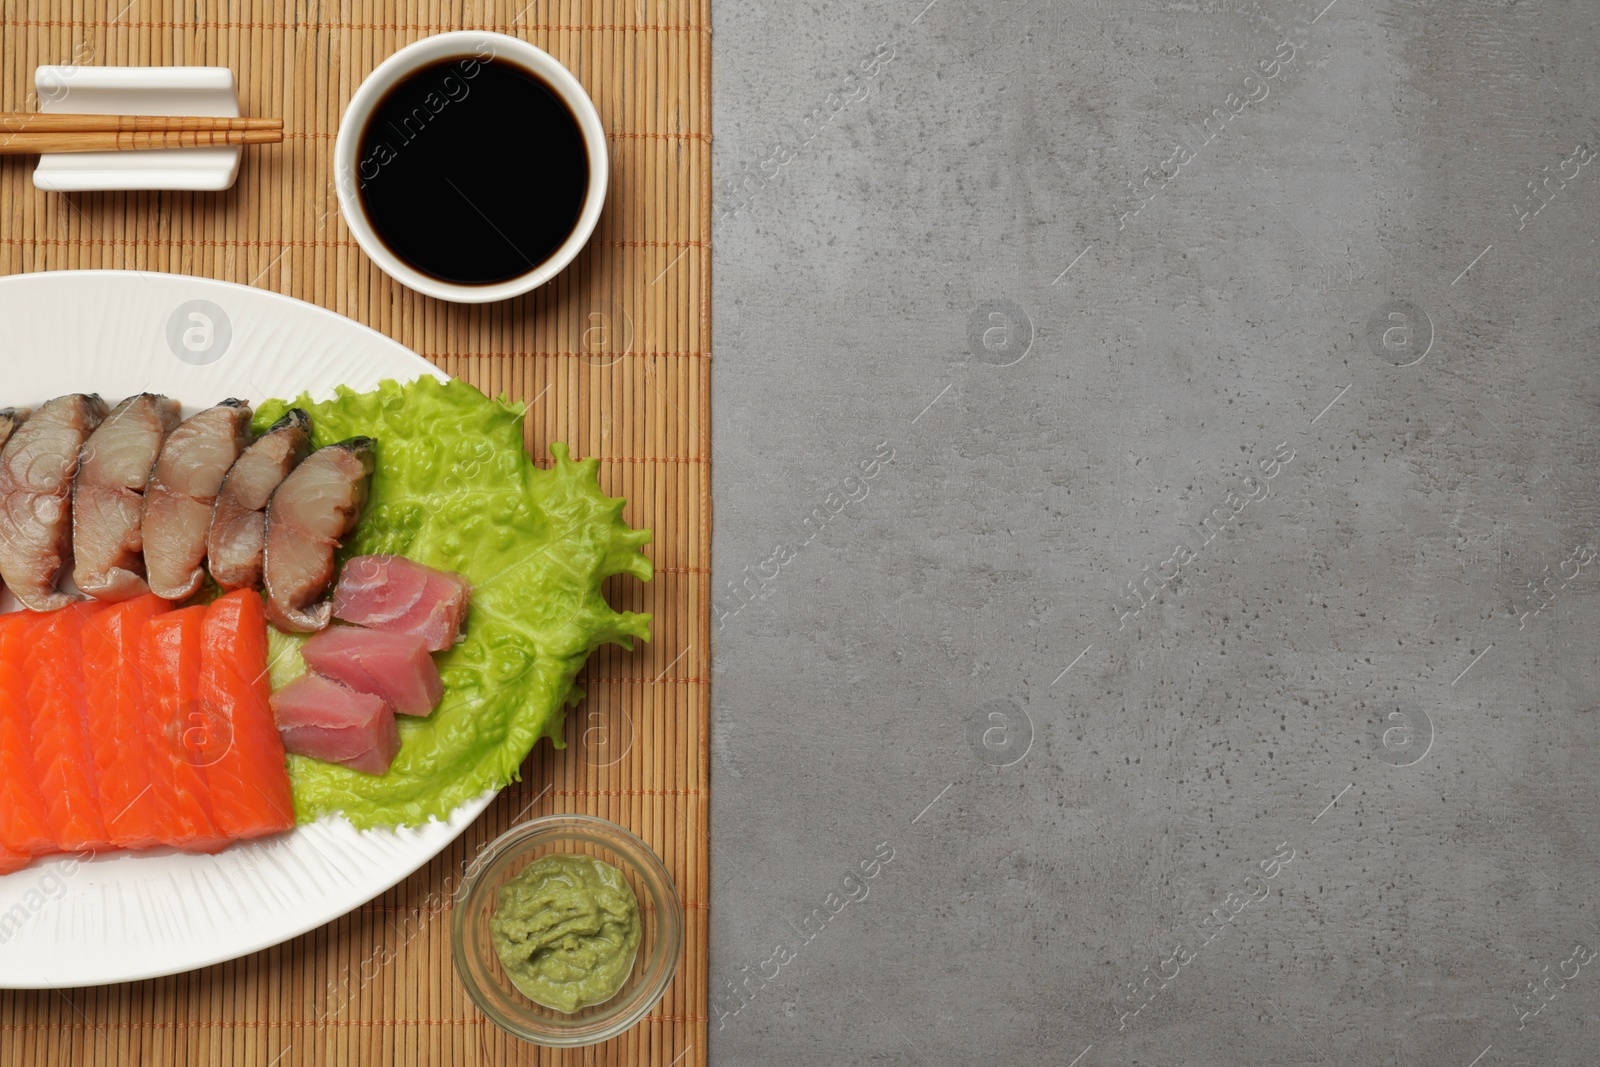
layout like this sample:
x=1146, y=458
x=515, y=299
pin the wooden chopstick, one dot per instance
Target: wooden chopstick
x=40, y=122
x=133, y=140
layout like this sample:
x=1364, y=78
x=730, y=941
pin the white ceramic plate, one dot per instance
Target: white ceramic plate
x=127, y=916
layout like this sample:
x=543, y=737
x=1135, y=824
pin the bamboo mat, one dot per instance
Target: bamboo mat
x=611, y=357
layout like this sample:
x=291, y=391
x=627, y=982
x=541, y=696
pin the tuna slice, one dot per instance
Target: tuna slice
x=396, y=667
x=239, y=522
x=108, y=496
x=327, y=721
x=313, y=509
x=182, y=492
x=396, y=595
x=36, y=469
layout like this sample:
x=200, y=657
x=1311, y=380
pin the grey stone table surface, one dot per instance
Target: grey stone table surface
x=1155, y=533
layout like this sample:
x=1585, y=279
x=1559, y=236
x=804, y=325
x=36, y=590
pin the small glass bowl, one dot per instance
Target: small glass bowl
x=660, y=940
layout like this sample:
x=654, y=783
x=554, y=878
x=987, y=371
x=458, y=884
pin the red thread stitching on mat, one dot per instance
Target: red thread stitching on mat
x=617, y=135
x=628, y=792
x=270, y=1023
x=649, y=459
x=568, y=355
x=423, y=27
x=186, y=242
x=640, y=459
x=431, y=911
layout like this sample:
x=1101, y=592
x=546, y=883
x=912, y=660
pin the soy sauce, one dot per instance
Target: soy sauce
x=472, y=170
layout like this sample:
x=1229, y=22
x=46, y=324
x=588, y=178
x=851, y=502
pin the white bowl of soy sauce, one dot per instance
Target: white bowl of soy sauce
x=471, y=166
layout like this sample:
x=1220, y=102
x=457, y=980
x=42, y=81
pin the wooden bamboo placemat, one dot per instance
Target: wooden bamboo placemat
x=611, y=357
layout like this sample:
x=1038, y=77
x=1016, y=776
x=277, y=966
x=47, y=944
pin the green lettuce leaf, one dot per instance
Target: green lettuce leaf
x=454, y=489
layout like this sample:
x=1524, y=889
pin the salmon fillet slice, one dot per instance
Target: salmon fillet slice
x=119, y=732
x=169, y=665
x=12, y=861
x=24, y=823
x=63, y=761
x=249, y=779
